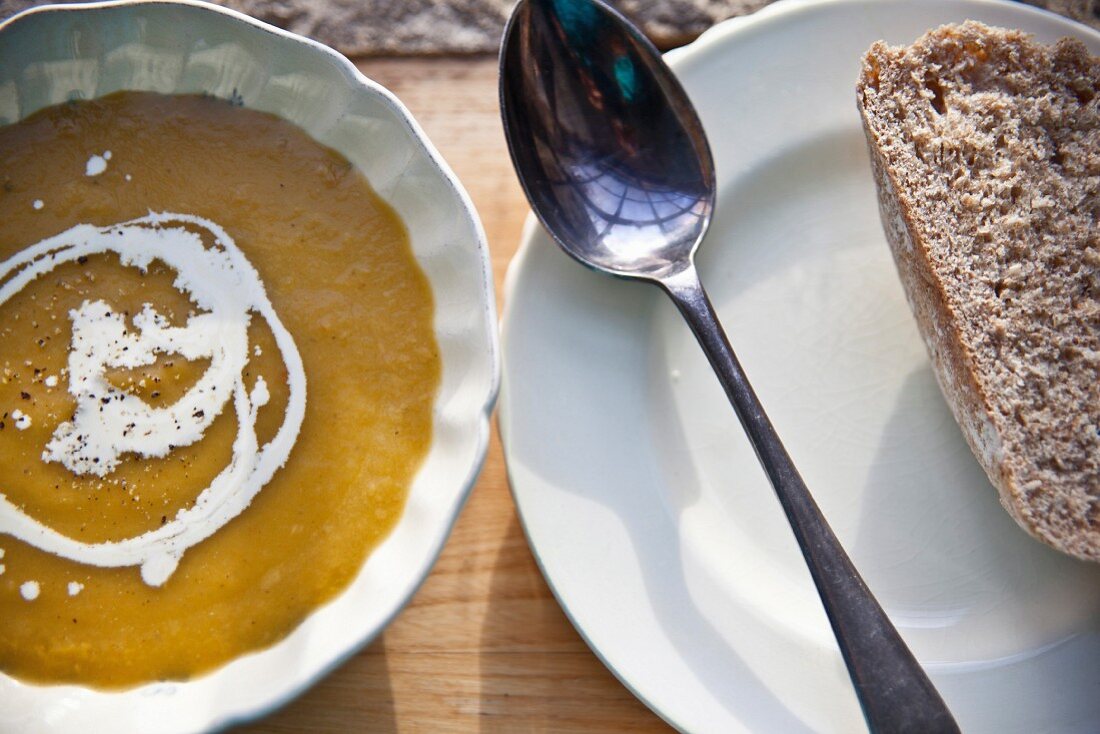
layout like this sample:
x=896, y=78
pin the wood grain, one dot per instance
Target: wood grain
x=483, y=647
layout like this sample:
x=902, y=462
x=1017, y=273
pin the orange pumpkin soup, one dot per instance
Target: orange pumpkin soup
x=217, y=372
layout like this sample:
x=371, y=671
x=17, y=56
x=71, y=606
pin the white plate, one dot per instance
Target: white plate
x=643, y=500
x=56, y=53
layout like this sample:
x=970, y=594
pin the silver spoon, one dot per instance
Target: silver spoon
x=615, y=163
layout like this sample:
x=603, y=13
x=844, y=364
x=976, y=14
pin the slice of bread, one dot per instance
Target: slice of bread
x=986, y=153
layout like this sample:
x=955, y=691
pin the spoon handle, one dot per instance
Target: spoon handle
x=893, y=689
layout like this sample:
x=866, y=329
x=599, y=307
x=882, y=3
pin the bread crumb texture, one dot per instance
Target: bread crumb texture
x=986, y=150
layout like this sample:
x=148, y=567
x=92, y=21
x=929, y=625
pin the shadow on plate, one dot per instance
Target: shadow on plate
x=611, y=310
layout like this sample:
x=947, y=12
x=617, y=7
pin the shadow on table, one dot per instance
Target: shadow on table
x=536, y=674
x=356, y=697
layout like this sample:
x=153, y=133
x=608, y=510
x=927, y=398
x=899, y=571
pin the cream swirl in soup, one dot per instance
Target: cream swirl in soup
x=109, y=422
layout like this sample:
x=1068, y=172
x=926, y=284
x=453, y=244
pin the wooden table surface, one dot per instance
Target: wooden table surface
x=483, y=647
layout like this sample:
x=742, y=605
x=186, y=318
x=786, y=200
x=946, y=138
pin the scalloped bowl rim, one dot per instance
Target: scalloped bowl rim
x=68, y=706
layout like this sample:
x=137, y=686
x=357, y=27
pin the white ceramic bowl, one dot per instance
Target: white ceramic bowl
x=52, y=54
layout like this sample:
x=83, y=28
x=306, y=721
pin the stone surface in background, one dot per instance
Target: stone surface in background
x=401, y=27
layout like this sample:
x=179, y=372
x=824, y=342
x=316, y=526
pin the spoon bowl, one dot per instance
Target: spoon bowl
x=619, y=169
x=614, y=162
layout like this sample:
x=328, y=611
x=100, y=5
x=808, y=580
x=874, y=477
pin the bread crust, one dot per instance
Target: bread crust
x=938, y=323
x=954, y=364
